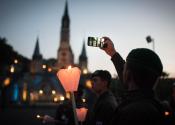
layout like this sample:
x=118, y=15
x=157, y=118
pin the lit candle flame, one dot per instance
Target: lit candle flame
x=84, y=100
x=167, y=113
x=69, y=67
x=38, y=116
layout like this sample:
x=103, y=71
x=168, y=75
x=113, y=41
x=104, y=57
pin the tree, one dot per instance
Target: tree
x=7, y=57
x=164, y=75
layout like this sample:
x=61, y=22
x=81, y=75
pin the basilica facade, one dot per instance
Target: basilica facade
x=40, y=84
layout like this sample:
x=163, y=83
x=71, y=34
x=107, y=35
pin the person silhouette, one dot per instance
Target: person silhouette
x=64, y=113
x=139, y=74
x=106, y=103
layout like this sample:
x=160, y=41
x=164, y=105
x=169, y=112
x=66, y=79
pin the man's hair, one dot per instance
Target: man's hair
x=145, y=66
x=103, y=74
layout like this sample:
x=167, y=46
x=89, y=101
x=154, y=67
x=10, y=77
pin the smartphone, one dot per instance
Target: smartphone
x=96, y=42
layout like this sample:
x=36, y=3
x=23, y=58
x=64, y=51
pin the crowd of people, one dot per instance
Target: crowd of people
x=139, y=74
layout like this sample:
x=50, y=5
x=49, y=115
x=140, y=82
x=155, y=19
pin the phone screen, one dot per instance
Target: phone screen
x=95, y=42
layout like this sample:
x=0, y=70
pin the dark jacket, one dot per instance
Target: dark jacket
x=103, y=110
x=138, y=107
x=64, y=114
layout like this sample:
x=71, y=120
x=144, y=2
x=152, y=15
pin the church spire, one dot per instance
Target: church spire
x=36, y=63
x=36, y=54
x=65, y=55
x=66, y=9
x=65, y=18
x=83, y=52
x=83, y=59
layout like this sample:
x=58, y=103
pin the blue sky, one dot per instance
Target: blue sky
x=126, y=22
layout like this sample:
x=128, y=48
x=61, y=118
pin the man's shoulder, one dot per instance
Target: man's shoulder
x=108, y=100
x=142, y=112
x=141, y=107
x=138, y=113
x=108, y=97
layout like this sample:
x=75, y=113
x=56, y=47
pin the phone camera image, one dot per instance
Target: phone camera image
x=95, y=42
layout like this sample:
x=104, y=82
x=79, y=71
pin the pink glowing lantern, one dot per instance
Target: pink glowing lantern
x=69, y=78
x=81, y=113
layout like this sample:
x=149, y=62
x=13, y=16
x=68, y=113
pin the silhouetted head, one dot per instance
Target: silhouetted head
x=143, y=67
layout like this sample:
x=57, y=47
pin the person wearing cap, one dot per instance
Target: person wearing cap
x=105, y=104
x=138, y=74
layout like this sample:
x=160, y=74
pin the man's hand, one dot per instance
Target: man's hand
x=110, y=50
x=48, y=118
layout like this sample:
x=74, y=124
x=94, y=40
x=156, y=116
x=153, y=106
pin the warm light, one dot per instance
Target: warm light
x=38, y=116
x=7, y=81
x=81, y=114
x=84, y=100
x=61, y=98
x=49, y=69
x=167, y=113
x=40, y=92
x=15, y=61
x=85, y=71
x=33, y=96
x=89, y=84
x=12, y=69
x=44, y=66
x=53, y=92
x=67, y=95
x=24, y=95
x=55, y=99
x=69, y=78
x=69, y=67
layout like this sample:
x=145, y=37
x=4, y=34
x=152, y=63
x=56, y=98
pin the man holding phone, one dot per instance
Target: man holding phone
x=139, y=75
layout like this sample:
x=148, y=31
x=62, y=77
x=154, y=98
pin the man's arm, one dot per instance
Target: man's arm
x=115, y=57
x=119, y=64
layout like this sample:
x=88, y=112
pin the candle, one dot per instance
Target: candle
x=39, y=116
x=81, y=113
x=69, y=78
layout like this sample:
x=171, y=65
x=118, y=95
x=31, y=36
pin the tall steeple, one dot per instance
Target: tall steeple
x=83, y=52
x=65, y=25
x=83, y=59
x=36, y=63
x=36, y=54
x=65, y=55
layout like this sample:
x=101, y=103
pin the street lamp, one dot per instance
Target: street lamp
x=149, y=39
